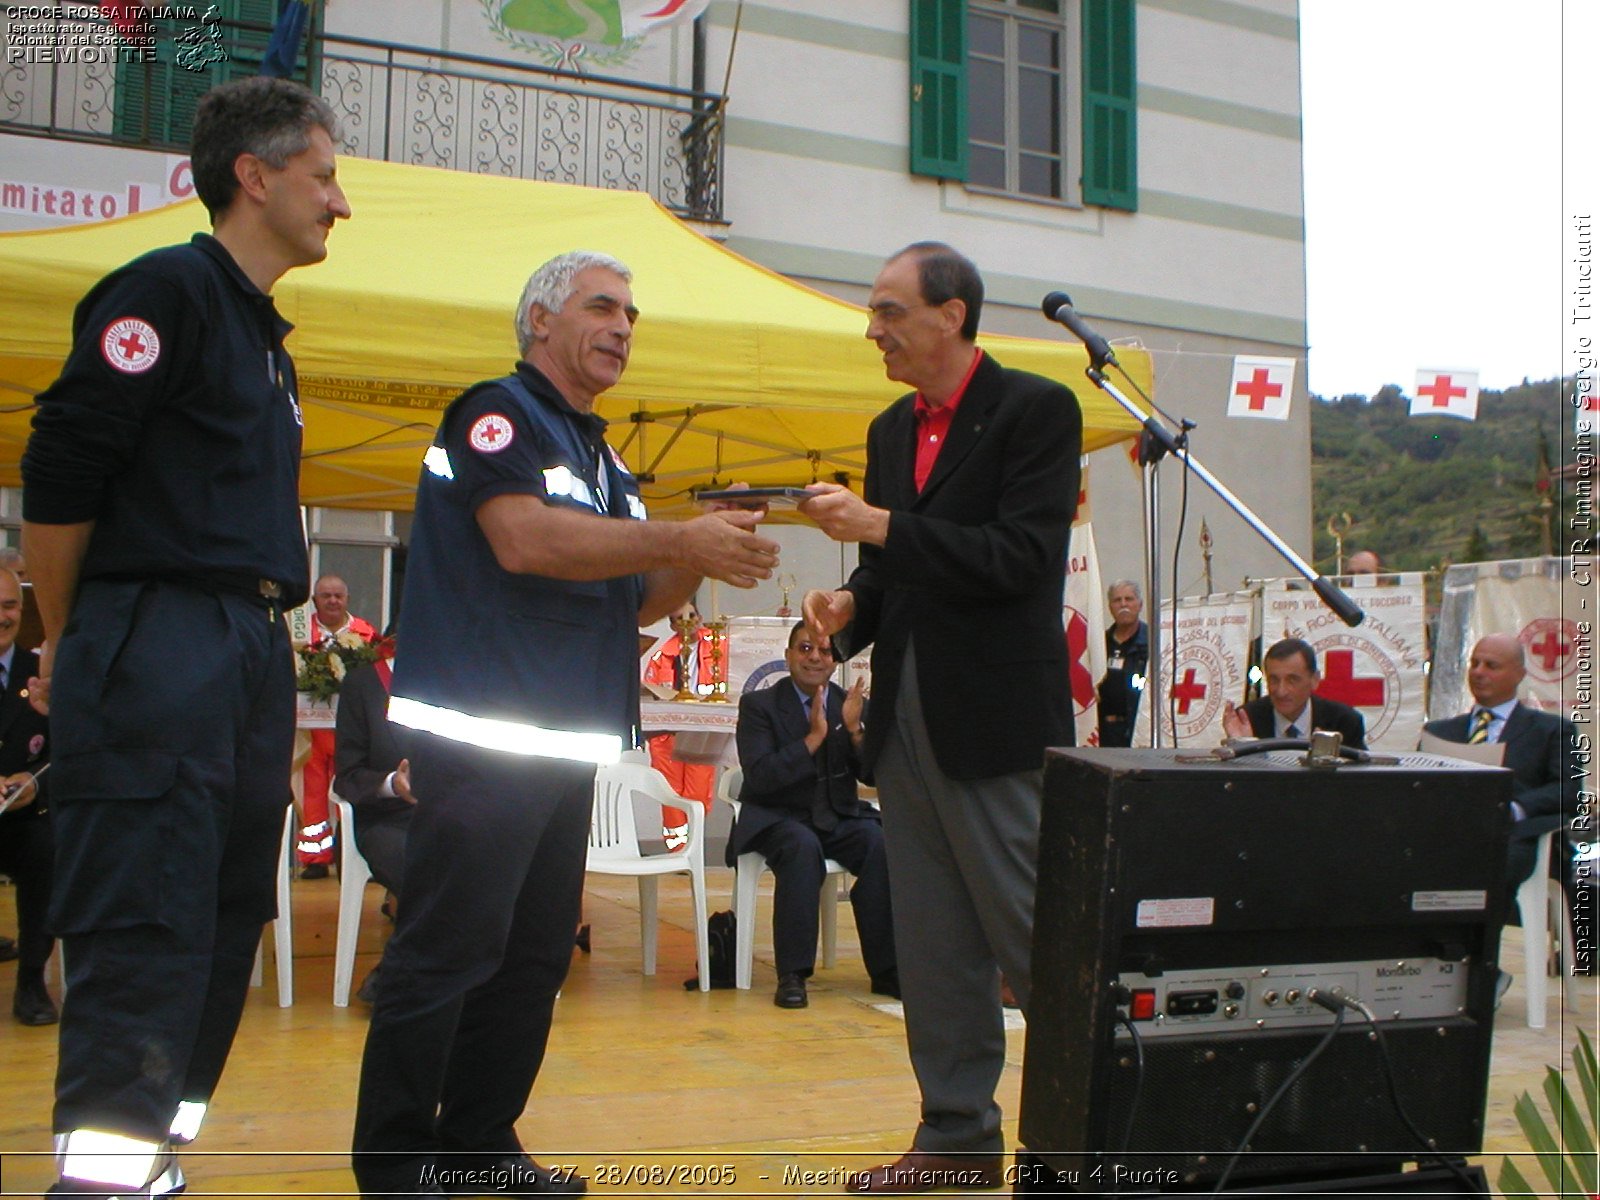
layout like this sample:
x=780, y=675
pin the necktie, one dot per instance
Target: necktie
x=1293, y=731
x=823, y=818
x=1480, y=727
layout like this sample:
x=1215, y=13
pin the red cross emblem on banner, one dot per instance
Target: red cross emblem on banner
x=1340, y=681
x=1550, y=649
x=1187, y=690
x=1083, y=693
x=1441, y=391
x=1258, y=389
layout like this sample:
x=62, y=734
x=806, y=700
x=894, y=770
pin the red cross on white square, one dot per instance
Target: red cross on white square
x=1261, y=387
x=1442, y=393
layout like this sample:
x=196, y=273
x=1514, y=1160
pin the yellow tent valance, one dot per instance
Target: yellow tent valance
x=737, y=372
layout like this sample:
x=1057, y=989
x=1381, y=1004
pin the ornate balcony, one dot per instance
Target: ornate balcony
x=395, y=102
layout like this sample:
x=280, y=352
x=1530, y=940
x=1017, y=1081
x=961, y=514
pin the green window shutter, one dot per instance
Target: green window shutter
x=155, y=102
x=1110, y=105
x=939, y=88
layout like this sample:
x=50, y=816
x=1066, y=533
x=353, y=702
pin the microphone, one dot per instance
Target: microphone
x=1057, y=306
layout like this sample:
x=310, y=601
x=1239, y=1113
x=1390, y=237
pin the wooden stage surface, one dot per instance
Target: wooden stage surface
x=648, y=1088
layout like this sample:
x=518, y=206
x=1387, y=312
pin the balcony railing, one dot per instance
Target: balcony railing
x=414, y=105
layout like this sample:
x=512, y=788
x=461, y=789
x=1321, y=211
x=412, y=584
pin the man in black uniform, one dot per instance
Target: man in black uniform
x=161, y=515
x=1127, y=659
x=530, y=545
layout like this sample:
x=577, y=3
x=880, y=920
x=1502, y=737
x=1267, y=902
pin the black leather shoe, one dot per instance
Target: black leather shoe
x=314, y=871
x=31, y=1004
x=8, y=949
x=513, y=1175
x=887, y=985
x=791, y=991
x=367, y=993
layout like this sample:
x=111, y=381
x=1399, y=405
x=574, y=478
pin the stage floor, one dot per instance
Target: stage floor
x=647, y=1088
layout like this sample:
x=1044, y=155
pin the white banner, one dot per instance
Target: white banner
x=1261, y=387
x=1446, y=394
x=1084, y=615
x=1376, y=667
x=755, y=652
x=1548, y=614
x=1213, y=653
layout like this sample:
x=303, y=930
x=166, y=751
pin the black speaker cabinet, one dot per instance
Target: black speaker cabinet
x=1203, y=901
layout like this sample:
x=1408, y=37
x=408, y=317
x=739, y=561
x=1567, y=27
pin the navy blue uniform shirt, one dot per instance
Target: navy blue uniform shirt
x=175, y=426
x=545, y=656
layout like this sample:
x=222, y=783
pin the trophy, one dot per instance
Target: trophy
x=718, y=629
x=685, y=628
x=786, y=582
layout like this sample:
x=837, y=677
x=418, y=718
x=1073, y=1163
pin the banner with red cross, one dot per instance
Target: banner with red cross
x=1445, y=394
x=1379, y=666
x=1548, y=606
x=1213, y=654
x=1261, y=387
x=1084, y=615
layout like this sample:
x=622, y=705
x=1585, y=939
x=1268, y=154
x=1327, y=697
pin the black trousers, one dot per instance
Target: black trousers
x=381, y=838
x=26, y=851
x=493, y=884
x=795, y=851
x=172, y=715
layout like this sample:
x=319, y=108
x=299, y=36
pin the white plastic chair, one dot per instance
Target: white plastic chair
x=354, y=875
x=746, y=880
x=1541, y=898
x=614, y=850
x=282, y=928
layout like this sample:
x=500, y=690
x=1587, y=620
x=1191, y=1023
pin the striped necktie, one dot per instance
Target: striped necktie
x=1480, y=727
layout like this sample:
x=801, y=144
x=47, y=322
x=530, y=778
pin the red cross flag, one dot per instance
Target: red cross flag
x=1446, y=394
x=1261, y=388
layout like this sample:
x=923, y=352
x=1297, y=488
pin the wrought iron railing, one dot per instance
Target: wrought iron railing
x=410, y=104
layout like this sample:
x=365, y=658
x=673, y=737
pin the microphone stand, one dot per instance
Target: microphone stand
x=1155, y=443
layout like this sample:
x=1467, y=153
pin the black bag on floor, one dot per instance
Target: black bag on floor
x=722, y=938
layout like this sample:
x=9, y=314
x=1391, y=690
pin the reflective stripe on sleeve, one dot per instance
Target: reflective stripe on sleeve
x=512, y=737
x=186, y=1121
x=437, y=460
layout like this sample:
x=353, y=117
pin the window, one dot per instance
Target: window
x=1017, y=85
x=155, y=102
x=1030, y=97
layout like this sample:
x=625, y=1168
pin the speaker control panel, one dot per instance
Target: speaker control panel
x=1211, y=999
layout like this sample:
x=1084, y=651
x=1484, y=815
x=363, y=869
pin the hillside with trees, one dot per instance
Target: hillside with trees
x=1427, y=491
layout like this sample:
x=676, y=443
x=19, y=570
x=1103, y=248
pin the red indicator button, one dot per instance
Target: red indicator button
x=1143, y=1007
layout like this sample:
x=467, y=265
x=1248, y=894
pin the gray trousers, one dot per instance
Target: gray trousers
x=963, y=858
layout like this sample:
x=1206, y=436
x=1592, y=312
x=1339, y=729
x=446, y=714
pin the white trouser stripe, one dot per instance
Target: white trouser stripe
x=186, y=1121
x=94, y=1156
x=513, y=737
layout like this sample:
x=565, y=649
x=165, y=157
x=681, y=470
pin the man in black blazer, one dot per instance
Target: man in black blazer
x=970, y=491
x=26, y=848
x=1542, y=749
x=799, y=806
x=371, y=773
x=1290, y=709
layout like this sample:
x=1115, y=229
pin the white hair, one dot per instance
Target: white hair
x=1125, y=583
x=551, y=286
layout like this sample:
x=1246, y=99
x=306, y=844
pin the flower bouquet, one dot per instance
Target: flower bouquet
x=320, y=669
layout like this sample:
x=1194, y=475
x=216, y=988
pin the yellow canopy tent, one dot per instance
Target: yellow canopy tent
x=737, y=373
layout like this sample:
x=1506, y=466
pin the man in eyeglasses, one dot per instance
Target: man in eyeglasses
x=799, y=746
x=971, y=486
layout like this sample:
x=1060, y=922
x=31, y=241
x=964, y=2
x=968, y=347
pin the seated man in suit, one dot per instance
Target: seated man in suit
x=799, y=743
x=26, y=848
x=1541, y=747
x=372, y=775
x=1289, y=709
